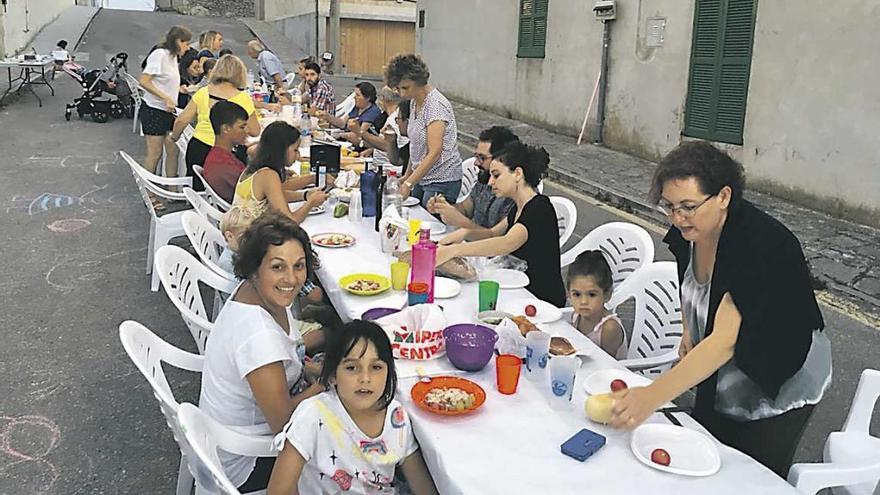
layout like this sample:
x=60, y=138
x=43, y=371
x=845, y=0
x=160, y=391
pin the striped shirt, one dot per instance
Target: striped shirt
x=448, y=166
x=322, y=97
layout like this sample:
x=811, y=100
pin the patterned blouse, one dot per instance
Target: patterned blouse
x=448, y=167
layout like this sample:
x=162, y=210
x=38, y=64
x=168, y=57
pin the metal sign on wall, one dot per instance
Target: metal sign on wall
x=656, y=30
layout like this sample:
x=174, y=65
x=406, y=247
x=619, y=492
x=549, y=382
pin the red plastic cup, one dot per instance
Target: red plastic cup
x=507, y=368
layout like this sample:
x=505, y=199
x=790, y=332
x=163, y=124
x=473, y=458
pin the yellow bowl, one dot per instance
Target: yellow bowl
x=384, y=283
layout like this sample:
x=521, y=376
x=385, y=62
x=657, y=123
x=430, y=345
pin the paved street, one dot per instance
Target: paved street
x=75, y=415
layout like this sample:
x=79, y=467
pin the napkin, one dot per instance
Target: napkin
x=347, y=178
x=510, y=340
x=393, y=230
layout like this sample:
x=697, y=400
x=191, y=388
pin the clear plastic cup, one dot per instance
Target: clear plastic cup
x=537, y=354
x=562, y=373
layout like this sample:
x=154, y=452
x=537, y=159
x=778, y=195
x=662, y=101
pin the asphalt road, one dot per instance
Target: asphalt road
x=75, y=415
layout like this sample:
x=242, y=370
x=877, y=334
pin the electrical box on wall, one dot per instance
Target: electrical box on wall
x=605, y=10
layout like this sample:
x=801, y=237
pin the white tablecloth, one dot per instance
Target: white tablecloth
x=511, y=445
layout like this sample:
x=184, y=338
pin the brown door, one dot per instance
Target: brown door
x=366, y=46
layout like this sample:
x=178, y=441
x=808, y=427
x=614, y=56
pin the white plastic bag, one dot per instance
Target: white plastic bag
x=393, y=231
x=510, y=339
x=416, y=332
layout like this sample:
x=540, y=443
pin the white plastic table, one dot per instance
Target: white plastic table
x=511, y=445
x=31, y=73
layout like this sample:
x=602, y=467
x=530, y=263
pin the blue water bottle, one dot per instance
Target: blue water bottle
x=369, y=181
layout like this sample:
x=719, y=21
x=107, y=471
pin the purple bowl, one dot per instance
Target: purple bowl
x=469, y=346
x=376, y=313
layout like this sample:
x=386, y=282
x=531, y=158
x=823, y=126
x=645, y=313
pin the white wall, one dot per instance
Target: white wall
x=19, y=27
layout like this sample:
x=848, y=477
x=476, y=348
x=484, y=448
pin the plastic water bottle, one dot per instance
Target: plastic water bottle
x=250, y=80
x=296, y=99
x=305, y=130
x=424, y=260
x=391, y=194
x=369, y=183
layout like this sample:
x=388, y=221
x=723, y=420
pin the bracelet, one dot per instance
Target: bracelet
x=305, y=195
x=408, y=184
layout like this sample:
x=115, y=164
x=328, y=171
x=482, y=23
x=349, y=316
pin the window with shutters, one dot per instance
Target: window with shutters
x=721, y=57
x=532, y=28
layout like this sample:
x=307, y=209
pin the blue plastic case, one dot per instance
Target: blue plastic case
x=583, y=444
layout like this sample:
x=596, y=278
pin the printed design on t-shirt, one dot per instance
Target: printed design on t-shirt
x=370, y=447
x=398, y=417
x=342, y=479
x=379, y=481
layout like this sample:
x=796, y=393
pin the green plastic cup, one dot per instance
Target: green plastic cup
x=488, y=295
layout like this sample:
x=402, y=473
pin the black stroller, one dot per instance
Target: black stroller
x=111, y=80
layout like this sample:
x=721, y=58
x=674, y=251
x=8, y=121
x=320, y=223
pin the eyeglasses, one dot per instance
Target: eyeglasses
x=481, y=157
x=686, y=211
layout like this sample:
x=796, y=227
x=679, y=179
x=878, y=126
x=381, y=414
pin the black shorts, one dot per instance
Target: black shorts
x=155, y=122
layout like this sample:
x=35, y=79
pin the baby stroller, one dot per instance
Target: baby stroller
x=111, y=80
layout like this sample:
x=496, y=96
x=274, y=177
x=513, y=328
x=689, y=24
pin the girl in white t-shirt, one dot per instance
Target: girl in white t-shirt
x=590, y=285
x=255, y=372
x=353, y=437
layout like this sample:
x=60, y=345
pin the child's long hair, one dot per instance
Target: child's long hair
x=592, y=263
x=272, y=150
x=342, y=341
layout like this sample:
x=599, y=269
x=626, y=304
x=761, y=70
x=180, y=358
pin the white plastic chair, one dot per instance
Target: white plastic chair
x=215, y=199
x=626, y=246
x=203, y=207
x=289, y=79
x=852, y=456
x=469, y=174
x=207, y=240
x=343, y=108
x=137, y=94
x=657, y=327
x=148, y=352
x=181, y=274
x=162, y=228
x=566, y=216
x=204, y=436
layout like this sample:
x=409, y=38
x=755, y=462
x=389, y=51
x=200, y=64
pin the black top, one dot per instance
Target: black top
x=541, y=250
x=761, y=264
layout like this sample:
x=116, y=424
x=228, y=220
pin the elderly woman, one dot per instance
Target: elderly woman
x=255, y=371
x=364, y=114
x=753, y=341
x=435, y=166
x=227, y=80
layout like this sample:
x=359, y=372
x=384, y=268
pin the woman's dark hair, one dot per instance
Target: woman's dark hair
x=403, y=109
x=273, y=228
x=185, y=61
x=208, y=65
x=225, y=51
x=712, y=168
x=368, y=90
x=175, y=34
x=62, y=44
x=498, y=137
x=272, y=149
x=342, y=342
x=307, y=60
x=409, y=66
x=592, y=264
x=312, y=66
x=532, y=160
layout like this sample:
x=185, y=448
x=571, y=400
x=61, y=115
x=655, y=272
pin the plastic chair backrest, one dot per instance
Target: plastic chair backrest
x=566, y=216
x=181, y=274
x=205, y=436
x=862, y=408
x=207, y=241
x=155, y=183
x=626, y=246
x=469, y=174
x=201, y=205
x=216, y=200
x=657, y=327
x=343, y=108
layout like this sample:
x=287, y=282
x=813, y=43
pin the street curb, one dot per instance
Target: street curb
x=86, y=28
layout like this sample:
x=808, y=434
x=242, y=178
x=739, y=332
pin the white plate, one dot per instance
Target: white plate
x=436, y=227
x=446, y=288
x=510, y=279
x=410, y=201
x=599, y=382
x=691, y=453
x=546, y=312
x=318, y=210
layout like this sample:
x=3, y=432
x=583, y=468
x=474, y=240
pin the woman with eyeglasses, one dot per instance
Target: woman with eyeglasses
x=753, y=343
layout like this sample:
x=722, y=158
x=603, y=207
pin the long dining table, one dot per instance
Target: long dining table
x=511, y=445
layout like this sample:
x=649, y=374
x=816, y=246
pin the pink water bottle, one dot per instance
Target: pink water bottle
x=424, y=259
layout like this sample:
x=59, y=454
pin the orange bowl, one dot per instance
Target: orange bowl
x=421, y=389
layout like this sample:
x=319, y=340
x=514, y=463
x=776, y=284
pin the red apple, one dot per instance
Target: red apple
x=618, y=384
x=531, y=310
x=661, y=457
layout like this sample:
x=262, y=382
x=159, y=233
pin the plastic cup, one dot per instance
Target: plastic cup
x=537, y=354
x=562, y=372
x=414, y=231
x=488, y=295
x=399, y=274
x=507, y=368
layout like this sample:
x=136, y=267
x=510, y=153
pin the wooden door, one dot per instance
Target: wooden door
x=367, y=45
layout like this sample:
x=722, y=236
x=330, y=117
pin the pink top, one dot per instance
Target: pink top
x=595, y=334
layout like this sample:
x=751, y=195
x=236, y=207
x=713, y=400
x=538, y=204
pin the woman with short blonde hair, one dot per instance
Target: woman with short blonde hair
x=230, y=69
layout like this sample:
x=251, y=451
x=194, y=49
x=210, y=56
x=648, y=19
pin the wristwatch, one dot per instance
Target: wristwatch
x=408, y=184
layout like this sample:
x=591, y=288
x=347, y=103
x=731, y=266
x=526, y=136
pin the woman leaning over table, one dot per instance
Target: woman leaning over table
x=227, y=80
x=160, y=78
x=264, y=183
x=529, y=232
x=255, y=371
x=753, y=342
x=433, y=135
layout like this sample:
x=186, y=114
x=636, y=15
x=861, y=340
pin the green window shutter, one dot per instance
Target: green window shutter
x=721, y=56
x=532, y=34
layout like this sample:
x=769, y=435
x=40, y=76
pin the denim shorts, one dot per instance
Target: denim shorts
x=449, y=190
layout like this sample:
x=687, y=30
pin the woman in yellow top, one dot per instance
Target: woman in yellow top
x=227, y=82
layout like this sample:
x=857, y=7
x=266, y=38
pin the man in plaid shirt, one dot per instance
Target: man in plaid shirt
x=319, y=93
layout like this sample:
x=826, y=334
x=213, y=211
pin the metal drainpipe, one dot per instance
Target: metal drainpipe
x=603, y=81
x=317, y=29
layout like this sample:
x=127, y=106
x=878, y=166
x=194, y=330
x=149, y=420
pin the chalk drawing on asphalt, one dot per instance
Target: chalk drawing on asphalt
x=25, y=443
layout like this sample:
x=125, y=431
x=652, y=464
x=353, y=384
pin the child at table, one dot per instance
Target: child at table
x=590, y=285
x=354, y=436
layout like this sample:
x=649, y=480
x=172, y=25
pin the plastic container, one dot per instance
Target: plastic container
x=417, y=293
x=424, y=260
x=355, y=211
x=391, y=193
x=469, y=347
x=376, y=313
x=305, y=131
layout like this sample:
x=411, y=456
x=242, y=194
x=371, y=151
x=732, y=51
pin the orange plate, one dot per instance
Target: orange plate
x=421, y=389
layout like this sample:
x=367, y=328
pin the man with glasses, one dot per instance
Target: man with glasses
x=481, y=208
